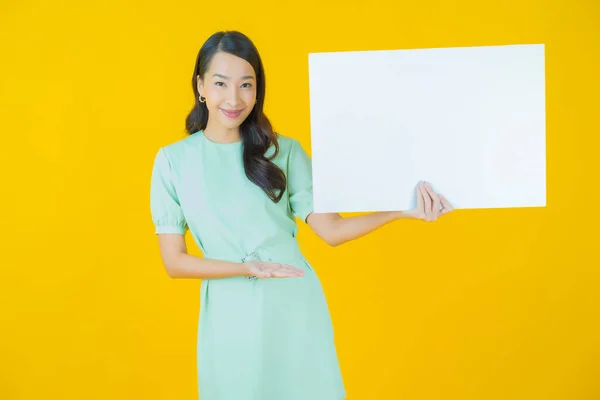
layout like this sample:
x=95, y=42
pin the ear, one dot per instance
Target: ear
x=200, y=86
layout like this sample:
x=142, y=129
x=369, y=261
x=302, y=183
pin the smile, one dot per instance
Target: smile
x=231, y=113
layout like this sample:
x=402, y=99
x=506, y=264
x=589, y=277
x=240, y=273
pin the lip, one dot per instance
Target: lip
x=231, y=113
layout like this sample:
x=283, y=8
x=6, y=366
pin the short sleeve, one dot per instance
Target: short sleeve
x=166, y=211
x=300, y=184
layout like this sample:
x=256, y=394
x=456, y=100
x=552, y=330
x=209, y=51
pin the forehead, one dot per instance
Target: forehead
x=229, y=65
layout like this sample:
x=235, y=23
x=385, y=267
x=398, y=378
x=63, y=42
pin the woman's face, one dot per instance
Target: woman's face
x=229, y=87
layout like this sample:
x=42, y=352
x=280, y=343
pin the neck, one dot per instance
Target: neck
x=221, y=134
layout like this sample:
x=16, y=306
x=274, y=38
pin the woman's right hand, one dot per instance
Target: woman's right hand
x=261, y=269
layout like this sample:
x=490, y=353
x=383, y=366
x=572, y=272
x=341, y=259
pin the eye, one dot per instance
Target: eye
x=248, y=85
x=220, y=83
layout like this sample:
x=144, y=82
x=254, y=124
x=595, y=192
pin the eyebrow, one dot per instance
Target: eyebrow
x=227, y=77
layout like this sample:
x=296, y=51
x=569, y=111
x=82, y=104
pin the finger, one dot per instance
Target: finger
x=282, y=274
x=420, y=203
x=447, y=207
x=291, y=271
x=294, y=271
x=426, y=200
x=283, y=270
x=278, y=267
x=435, y=208
x=285, y=275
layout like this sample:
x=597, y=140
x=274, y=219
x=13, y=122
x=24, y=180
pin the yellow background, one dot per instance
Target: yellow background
x=482, y=304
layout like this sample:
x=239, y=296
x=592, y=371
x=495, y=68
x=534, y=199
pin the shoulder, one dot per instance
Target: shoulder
x=285, y=142
x=182, y=145
x=288, y=145
x=178, y=151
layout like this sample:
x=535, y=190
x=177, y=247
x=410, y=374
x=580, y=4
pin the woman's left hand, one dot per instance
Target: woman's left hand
x=430, y=205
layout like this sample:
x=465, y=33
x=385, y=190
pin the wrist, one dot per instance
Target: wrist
x=404, y=215
x=244, y=269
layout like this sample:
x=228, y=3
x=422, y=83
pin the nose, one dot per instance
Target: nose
x=233, y=97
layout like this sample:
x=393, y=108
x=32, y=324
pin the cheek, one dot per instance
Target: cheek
x=212, y=93
x=249, y=96
x=213, y=98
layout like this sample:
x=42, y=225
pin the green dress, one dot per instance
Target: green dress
x=258, y=339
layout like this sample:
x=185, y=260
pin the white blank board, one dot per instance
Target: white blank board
x=470, y=120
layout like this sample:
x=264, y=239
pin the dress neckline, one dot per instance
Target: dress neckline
x=232, y=145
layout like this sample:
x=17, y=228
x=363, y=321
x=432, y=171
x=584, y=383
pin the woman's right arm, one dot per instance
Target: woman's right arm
x=179, y=264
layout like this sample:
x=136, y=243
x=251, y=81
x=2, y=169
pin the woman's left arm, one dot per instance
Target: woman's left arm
x=336, y=230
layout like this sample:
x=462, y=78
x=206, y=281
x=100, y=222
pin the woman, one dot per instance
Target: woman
x=264, y=331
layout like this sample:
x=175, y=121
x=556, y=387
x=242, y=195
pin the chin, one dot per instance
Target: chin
x=232, y=124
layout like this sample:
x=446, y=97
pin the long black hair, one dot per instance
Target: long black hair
x=256, y=130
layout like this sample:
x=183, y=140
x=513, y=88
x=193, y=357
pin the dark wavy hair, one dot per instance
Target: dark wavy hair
x=256, y=130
